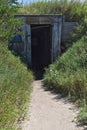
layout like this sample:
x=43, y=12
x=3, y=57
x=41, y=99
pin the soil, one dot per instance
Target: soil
x=49, y=111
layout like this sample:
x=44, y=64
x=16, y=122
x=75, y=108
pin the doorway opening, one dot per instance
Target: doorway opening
x=41, y=46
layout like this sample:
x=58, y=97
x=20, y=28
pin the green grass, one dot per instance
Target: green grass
x=82, y=117
x=69, y=71
x=68, y=75
x=15, y=89
x=71, y=9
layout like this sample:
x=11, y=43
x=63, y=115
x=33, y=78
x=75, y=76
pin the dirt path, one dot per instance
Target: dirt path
x=49, y=112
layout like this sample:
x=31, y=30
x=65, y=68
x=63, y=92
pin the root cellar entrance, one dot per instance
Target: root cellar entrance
x=42, y=39
x=41, y=46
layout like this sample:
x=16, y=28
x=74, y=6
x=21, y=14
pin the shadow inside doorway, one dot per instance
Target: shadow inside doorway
x=41, y=45
x=38, y=74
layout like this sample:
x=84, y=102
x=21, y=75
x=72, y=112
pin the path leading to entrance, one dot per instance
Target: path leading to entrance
x=49, y=112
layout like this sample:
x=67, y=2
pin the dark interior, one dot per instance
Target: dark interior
x=41, y=46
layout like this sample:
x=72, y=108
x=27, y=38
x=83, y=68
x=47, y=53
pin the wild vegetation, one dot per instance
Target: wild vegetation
x=8, y=25
x=15, y=78
x=15, y=89
x=68, y=75
x=69, y=71
x=73, y=10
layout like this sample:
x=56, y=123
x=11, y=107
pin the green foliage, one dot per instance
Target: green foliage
x=15, y=89
x=73, y=10
x=69, y=72
x=82, y=117
x=7, y=22
x=68, y=75
x=82, y=28
x=15, y=79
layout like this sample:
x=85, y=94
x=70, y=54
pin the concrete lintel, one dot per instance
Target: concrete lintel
x=38, y=15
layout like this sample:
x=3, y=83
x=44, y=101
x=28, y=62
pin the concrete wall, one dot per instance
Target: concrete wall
x=61, y=32
x=67, y=29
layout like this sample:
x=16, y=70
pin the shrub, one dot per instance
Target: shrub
x=8, y=24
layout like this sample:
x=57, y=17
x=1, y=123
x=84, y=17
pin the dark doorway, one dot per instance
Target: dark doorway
x=41, y=44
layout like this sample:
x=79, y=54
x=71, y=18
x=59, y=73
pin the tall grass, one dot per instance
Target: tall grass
x=68, y=75
x=15, y=89
x=69, y=69
x=72, y=9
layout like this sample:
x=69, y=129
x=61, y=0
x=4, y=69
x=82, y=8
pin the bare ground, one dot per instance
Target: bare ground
x=50, y=112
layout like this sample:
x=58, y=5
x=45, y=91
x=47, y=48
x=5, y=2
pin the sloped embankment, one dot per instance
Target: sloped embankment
x=68, y=75
x=15, y=89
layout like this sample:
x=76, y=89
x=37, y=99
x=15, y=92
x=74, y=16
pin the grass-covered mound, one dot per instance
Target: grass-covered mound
x=69, y=73
x=73, y=9
x=15, y=89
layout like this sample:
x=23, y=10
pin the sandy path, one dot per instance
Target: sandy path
x=49, y=112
